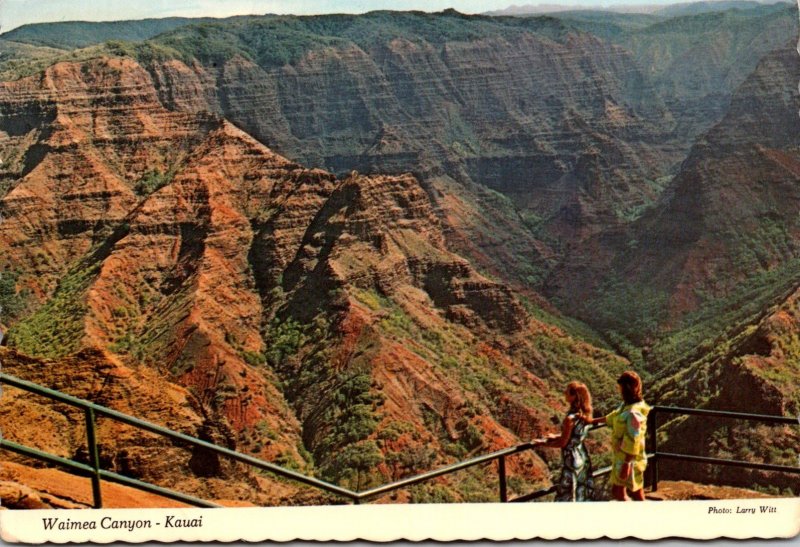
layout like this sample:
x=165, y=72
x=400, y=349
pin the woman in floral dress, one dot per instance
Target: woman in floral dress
x=575, y=482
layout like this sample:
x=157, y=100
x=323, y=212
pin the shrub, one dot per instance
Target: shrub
x=56, y=329
x=12, y=301
x=151, y=182
x=355, y=464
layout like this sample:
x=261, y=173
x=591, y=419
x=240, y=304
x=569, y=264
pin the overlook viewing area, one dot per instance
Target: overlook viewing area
x=499, y=458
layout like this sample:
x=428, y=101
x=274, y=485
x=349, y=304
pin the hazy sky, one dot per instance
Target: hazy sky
x=14, y=13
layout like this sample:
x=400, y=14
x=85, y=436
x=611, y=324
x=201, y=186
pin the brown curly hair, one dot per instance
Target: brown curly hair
x=582, y=402
x=631, y=387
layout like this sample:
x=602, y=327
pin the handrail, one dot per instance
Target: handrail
x=731, y=463
x=91, y=409
x=446, y=470
x=659, y=455
x=108, y=475
x=159, y=430
x=96, y=473
x=552, y=489
x=727, y=414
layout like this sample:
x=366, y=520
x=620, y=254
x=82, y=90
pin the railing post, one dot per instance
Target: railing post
x=501, y=470
x=94, y=457
x=654, y=449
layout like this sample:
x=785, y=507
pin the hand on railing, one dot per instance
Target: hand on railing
x=550, y=440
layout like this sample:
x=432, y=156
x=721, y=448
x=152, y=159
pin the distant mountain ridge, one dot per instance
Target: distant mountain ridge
x=79, y=34
x=669, y=10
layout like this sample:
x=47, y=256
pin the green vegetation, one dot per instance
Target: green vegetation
x=527, y=266
x=253, y=358
x=130, y=344
x=431, y=493
x=735, y=441
x=12, y=301
x=56, y=328
x=146, y=53
x=349, y=412
x=264, y=431
x=635, y=311
x=472, y=487
x=411, y=460
x=273, y=41
x=445, y=347
x=628, y=212
x=339, y=406
x=561, y=356
x=354, y=465
x=394, y=429
x=284, y=341
x=571, y=326
x=182, y=365
x=468, y=438
x=80, y=34
x=704, y=331
x=535, y=223
x=21, y=60
x=223, y=391
x=631, y=317
x=599, y=371
x=210, y=43
x=345, y=454
x=469, y=485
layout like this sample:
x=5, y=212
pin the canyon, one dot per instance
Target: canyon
x=364, y=246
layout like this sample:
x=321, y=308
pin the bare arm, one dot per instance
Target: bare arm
x=566, y=431
x=596, y=421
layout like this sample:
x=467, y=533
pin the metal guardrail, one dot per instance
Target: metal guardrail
x=552, y=489
x=658, y=455
x=499, y=455
x=92, y=410
x=96, y=473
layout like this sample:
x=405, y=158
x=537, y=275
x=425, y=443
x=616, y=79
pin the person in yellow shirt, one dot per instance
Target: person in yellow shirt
x=628, y=424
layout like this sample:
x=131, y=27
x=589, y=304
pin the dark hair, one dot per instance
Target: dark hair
x=583, y=399
x=631, y=387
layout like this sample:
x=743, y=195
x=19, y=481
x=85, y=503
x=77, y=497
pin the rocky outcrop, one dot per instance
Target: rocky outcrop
x=71, y=187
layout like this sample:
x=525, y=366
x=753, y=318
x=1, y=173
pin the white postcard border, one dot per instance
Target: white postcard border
x=735, y=519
